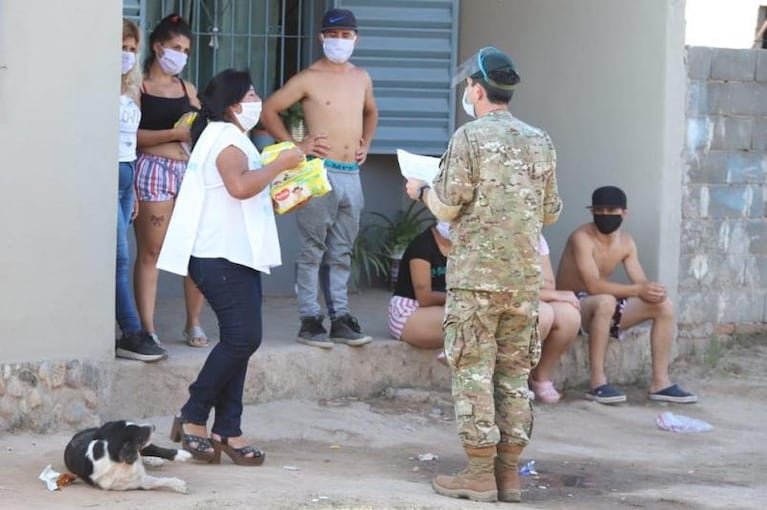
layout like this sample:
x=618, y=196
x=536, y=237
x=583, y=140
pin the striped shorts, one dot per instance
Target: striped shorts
x=158, y=179
x=400, y=310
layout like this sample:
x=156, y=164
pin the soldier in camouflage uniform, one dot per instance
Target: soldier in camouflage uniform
x=497, y=187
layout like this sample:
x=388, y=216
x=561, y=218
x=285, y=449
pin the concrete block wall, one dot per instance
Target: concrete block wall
x=723, y=266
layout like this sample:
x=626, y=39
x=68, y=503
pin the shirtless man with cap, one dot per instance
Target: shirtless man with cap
x=341, y=116
x=591, y=255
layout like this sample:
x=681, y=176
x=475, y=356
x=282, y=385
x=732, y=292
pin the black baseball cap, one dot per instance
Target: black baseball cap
x=608, y=196
x=339, y=18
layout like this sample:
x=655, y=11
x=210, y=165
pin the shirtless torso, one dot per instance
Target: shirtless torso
x=339, y=110
x=585, y=250
x=590, y=257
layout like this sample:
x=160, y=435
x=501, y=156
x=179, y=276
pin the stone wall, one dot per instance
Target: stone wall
x=723, y=264
x=51, y=395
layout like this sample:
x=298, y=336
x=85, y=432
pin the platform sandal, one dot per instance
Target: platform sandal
x=201, y=448
x=245, y=456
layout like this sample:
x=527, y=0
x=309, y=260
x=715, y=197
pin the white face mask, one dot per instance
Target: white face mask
x=129, y=60
x=467, y=106
x=249, y=115
x=443, y=228
x=338, y=50
x=172, y=61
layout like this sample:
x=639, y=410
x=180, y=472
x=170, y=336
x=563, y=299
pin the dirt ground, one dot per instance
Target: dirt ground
x=364, y=454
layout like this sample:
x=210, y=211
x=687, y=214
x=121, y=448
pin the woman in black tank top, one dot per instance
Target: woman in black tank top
x=165, y=98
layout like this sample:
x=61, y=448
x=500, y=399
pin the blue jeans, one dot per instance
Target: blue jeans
x=125, y=306
x=234, y=294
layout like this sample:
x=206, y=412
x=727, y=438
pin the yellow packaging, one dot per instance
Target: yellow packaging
x=187, y=118
x=293, y=187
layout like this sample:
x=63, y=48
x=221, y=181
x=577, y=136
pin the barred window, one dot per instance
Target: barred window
x=274, y=39
x=408, y=47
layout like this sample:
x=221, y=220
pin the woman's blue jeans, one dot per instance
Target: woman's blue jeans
x=125, y=306
x=234, y=293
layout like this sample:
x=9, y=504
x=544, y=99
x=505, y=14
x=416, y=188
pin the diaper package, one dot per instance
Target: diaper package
x=187, y=119
x=293, y=187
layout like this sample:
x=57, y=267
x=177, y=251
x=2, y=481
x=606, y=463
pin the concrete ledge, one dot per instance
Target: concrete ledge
x=71, y=395
x=300, y=372
x=628, y=361
x=290, y=372
x=284, y=369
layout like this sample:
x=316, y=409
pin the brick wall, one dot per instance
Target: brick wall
x=723, y=265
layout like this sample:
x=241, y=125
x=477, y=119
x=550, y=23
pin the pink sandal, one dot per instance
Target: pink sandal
x=545, y=391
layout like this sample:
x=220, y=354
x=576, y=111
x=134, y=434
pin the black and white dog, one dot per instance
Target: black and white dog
x=112, y=457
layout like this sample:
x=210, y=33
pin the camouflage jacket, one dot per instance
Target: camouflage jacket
x=501, y=173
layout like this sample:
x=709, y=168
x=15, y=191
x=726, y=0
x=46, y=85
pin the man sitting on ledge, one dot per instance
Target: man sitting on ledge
x=591, y=255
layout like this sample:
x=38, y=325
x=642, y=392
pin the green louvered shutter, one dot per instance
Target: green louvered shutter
x=135, y=10
x=409, y=48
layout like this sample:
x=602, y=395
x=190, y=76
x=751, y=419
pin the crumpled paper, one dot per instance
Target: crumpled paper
x=682, y=424
x=528, y=469
x=54, y=480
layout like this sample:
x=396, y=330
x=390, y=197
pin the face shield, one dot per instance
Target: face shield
x=484, y=62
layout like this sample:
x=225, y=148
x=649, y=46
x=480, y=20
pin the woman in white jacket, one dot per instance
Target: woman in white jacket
x=224, y=234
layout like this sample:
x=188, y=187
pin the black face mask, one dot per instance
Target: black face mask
x=608, y=223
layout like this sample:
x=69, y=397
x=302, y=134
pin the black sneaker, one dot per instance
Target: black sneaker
x=313, y=333
x=346, y=330
x=139, y=346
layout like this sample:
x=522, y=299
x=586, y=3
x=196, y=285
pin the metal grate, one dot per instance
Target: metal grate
x=272, y=38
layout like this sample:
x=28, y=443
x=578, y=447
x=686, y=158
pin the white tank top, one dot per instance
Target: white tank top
x=130, y=115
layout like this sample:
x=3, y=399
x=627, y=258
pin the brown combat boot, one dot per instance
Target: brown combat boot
x=507, y=472
x=476, y=482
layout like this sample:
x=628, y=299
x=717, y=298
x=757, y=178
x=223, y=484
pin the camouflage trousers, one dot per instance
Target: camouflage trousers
x=491, y=342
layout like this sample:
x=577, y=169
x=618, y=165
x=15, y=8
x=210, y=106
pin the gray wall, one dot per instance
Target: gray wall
x=613, y=103
x=59, y=178
x=606, y=79
x=723, y=268
x=608, y=101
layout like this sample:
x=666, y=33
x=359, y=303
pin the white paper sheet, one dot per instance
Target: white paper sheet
x=417, y=166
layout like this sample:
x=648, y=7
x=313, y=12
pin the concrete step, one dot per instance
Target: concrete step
x=627, y=362
x=284, y=369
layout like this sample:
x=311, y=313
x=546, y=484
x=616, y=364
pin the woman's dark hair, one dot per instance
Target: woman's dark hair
x=225, y=89
x=169, y=27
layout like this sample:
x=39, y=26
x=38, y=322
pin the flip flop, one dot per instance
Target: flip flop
x=196, y=337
